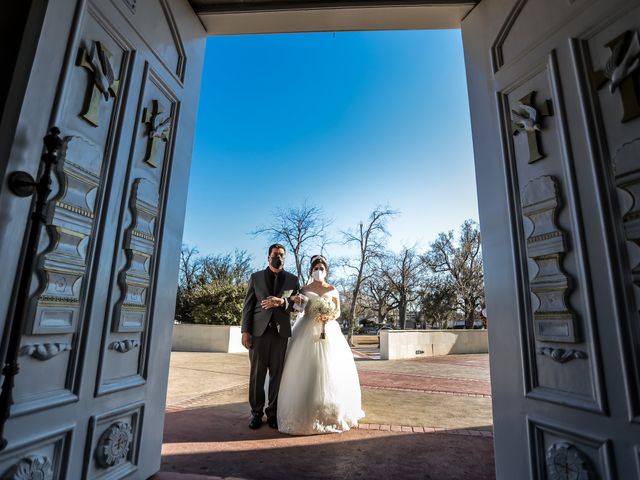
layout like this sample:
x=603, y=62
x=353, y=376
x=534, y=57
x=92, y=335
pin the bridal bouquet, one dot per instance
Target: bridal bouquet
x=322, y=310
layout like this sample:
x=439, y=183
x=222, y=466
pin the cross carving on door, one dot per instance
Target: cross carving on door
x=619, y=71
x=527, y=119
x=159, y=128
x=103, y=84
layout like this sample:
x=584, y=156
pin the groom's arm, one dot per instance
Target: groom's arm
x=248, y=308
x=288, y=304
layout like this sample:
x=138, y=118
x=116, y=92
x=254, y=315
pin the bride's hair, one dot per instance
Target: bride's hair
x=315, y=260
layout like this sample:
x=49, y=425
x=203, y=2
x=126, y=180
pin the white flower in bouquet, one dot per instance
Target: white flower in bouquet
x=322, y=310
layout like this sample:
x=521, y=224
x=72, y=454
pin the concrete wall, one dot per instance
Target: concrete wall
x=206, y=338
x=397, y=344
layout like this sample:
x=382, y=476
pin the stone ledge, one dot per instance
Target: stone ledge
x=188, y=337
x=400, y=344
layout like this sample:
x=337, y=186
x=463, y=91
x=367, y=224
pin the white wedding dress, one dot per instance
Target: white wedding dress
x=319, y=391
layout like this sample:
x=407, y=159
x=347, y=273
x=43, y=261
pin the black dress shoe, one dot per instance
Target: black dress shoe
x=256, y=421
x=272, y=422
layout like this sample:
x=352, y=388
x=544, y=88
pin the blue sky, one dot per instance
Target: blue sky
x=345, y=121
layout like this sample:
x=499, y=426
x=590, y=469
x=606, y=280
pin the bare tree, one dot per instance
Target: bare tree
x=189, y=272
x=377, y=295
x=369, y=240
x=461, y=261
x=345, y=288
x=404, y=276
x=232, y=269
x=211, y=289
x=438, y=300
x=299, y=229
x=190, y=267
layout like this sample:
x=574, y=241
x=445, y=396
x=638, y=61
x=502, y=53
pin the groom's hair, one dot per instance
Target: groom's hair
x=276, y=245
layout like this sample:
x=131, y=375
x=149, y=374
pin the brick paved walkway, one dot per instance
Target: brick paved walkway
x=216, y=441
x=476, y=361
x=423, y=383
x=427, y=418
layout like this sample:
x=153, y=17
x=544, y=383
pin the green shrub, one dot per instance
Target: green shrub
x=217, y=303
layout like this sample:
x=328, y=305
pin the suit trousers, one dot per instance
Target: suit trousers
x=267, y=354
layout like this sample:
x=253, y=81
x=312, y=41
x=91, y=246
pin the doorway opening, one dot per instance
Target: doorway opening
x=344, y=124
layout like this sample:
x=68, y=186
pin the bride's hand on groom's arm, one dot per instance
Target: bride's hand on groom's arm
x=272, y=302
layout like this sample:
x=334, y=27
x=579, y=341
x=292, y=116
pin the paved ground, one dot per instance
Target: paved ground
x=427, y=418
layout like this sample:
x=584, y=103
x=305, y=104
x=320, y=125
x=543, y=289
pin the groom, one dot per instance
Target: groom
x=266, y=328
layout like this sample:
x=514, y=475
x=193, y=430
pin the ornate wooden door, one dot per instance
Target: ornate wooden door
x=555, y=102
x=120, y=79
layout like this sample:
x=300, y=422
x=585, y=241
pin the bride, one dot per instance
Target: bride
x=319, y=390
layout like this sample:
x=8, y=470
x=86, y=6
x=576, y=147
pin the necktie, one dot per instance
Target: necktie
x=272, y=322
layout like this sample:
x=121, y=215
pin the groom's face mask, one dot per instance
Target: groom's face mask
x=277, y=261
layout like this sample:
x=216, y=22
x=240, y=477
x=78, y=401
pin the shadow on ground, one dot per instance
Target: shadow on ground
x=216, y=441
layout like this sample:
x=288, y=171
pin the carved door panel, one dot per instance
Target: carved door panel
x=120, y=79
x=555, y=89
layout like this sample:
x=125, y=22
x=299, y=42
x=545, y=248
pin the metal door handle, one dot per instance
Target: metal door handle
x=23, y=185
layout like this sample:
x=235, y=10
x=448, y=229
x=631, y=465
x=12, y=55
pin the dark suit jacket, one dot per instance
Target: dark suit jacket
x=255, y=318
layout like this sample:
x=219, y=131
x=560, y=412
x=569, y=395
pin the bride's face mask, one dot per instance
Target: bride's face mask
x=319, y=275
